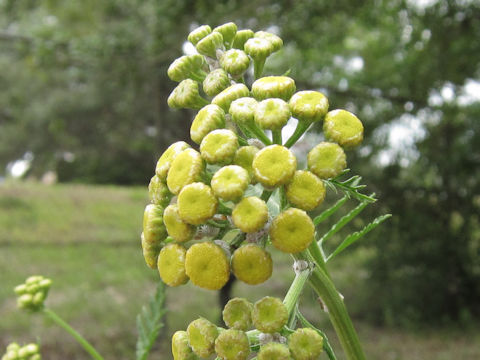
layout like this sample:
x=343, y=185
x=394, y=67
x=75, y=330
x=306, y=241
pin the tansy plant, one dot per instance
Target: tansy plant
x=223, y=201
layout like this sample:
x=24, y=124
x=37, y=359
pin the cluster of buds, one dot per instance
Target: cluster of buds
x=252, y=328
x=26, y=352
x=32, y=293
x=212, y=186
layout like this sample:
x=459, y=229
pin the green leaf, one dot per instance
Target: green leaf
x=330, y=211
x=353, y=237
x=351, y=187
x=150, y=321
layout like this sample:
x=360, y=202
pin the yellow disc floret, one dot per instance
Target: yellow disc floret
x=272, y=114
x=250, y=214
x=308, y=106
x=230, y=182
x=274, y=165
x=201, y=336
x=178, y=229
x=219, y=146
x=181, y=350
x=252, y=264
x=326, y=160
x=163, y=164
x=306, y=191
x=281, y=87
x=305, y=344
x=171, y=265
x=237, y=314
x=207, y=266
x=153, y=228
x=292, y=231
x=344, y=128
x=232, y=345
x=269, y=314
x=186, y=168
x=209, y=118
x=196, y=203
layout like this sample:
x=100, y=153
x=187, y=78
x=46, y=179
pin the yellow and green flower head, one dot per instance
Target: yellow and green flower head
x=326, y=160
x=158, y=192
x=233, y=92
x=163, y=164
x=215, y=82
x=32, y=293
x=150, y=252
x=252, y=264
x=209, y=44
x=187, y=67
x=276, y=41
x=219, y=146
x=181, y=349
x=274, y=351
x=242, y=110
x=237, y=314
x=244, y=158
x=196, y=203
x=230, y=182
x=306, y=191
x=258, y=49
x=26, y=352
x=228, y=32
x=186, y=95
x=272, y=114
x=232, y=345
x=292, y=231
x=241, y=38
x=308, y=106
x=207, y=265
x=344, y=128
x=209, y=118
x=269, y=315
x=178, y=229
x=274, y=165
x=201, y=337
x=305, y=344
x=281, y=87
x=199, y=33
x=250, y=214
x=153, y=228
x=235, y=62
x=171, y=265
x=186, y=168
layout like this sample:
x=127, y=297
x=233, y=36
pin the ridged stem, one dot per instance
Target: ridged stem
x=301, y=128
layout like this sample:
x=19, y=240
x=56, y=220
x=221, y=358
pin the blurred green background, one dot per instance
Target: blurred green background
x=83, y=119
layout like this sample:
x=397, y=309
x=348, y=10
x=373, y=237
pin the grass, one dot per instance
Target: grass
x=86, y=238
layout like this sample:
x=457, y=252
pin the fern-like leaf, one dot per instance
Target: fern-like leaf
x=150, y=321
x=330, y=211
x=351, y=187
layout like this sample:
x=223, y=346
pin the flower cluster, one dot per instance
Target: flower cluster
x=32, y=293
x=26, y=352
x=209, y=214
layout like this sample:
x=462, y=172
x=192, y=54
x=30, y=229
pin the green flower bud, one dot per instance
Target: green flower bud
x=153, y=228
x=292, y=231
x=163, y=164
x=186, y=168
x=227, y=96
x=209, y=44
x=252, y=264
x=219, y=146
x=158, y=192
x=228, y=32
x=171, y=265
x=306, y=191
x=250, y=214
x=176, y=227
x=25, y=301
x=237, y=314
x=326, y=160
x=305, y=344
x=258, y=49
x=344, y=128
x=269, y=315
x=150, y=252
x=20, y=289
x=235, y=62
x=199, y=33
x=308, y=106
x=202, y=335
x=244, y=158
x=209, y=118
x=181, y=350
x=276, y=41
x=32, y=294
x=230, y=182
x=187, y=67
x=241, y=38
x=196, y=203
x=242, y=110
x=272, y=114
x=232, y=345
x=186, y=95
x=274, y=165
x=281, y=87
x=274, y=351
x=215, y=82
x=207, y=266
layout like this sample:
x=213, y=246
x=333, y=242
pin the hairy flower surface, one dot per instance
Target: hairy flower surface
x=237, y=314
x=252, y=264
x=232, y=344
x=281, y=87
x=163, y=164
x=171, y=265
x=308, y=106
x=305, y=344
x=274, y=165
x=250, y=214
x=216, y=82
x=292, y=231
x=230, y=182
x=196, y=203
x=344, y=128
x=306, y=191
x=209, y=118
x=186, y=168
x=269, y=315
x=327, y=160
x=201, y=336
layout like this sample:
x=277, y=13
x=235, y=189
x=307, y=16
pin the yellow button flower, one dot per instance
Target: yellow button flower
x=176, y=227
x=219, y=146
x=326, y=160
x=274, y=165
x=233, y=92
x=209, y=118
x=281, y=87
x=201, y=336
x=292, y=231
x=232, y=345
x=306, y=191
x=305, y=344
x=230, y=182
x=237, y=314
x=274, y=351
x=163, y=164
x=272, y=114
x=186, y=95
x=153, y=228
x=187, y=67
x=196, y=203
x=186, y=168
x=269, y=315
x=308, y=106
x=242, y=110
x=171, y=265
x=150, y=252
x=244, y=158
x=250, y=214
x=344, y=128
x=252, y=264
x=181, y=350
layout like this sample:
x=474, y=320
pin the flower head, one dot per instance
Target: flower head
x=306, y=191
x=244, y=158
x=237, y=314
x=201, y=337
x=233, y=92
x=219, y=146
x=186, y=95
x=241, y=38
x=228, y=32
x=272, y=114
x=215, y=82
x=187, y=67
x=158, y=191
x=250, y=214
x=32, y=293
x=196, y=203
x=232, y=344
x=181, y=349
x=292, y=231
x=274, y=351
x=344, y=128
x=209, y=118
x=209, y=44
x=186, y=168
x=274, y=165
x=199, y=33
x=269, y=315
x=276, y=41
x=154, y=230
x=308, y=106
x=163, y=164
x=235, y=62
x=178, y=229
x=230, y=182
x=171, y=265
x=281, y=87
x=305, y=344
x=252, y=264
x=326, y=160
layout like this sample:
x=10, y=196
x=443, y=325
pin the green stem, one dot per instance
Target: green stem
x=256, y=131
x=223, y=209
x=296, y=288
x=318, y=256
x=258, y=65
x=266, y=195
x=277, y=137
x=301, y=128
x=81, y=340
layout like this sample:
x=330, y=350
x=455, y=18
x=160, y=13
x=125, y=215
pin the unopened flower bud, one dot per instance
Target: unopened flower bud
x=237, y=314
x=181, y=350
x=178, y=229
x=196, y=203
x=292, y=231
x=235, y=62
x=186, y=95
x=274, y=351
x=244, y=158
x=272, y=114
x=274, y=165
x=219, y=146
x=201, y=336
x=215, y=82
x=230, y=182
x=242, y=110
x=153, y=228
x=275, y=40
x=209, y=118
x=269, y=315
x=232, y=344
x=186, y=168
x=227, y=96
x=199, y=33
x=150, y=252
x=308, y=106
x=305, y=344
x=258, y=49
x=163, y=164
x=344, y=128
x=32, y=294
x=252, y=264
x=187, y=67
x=306, y=191
x=158, y=192
x=281, y=87
x=228, y=32
x=326, y=160
x=209, y=44
x=241, y=38
x=171, y=265
x=250, y=214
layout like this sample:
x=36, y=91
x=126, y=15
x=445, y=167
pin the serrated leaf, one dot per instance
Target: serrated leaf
x=330, y=211
x=150, y=321
x=354, y=237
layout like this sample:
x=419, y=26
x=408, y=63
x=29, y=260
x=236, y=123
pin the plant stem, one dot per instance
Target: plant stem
x=277, y=137
x=295, y=290
x=81, y=340
x=301, y=128
x=258, y=65
x=256, y=131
